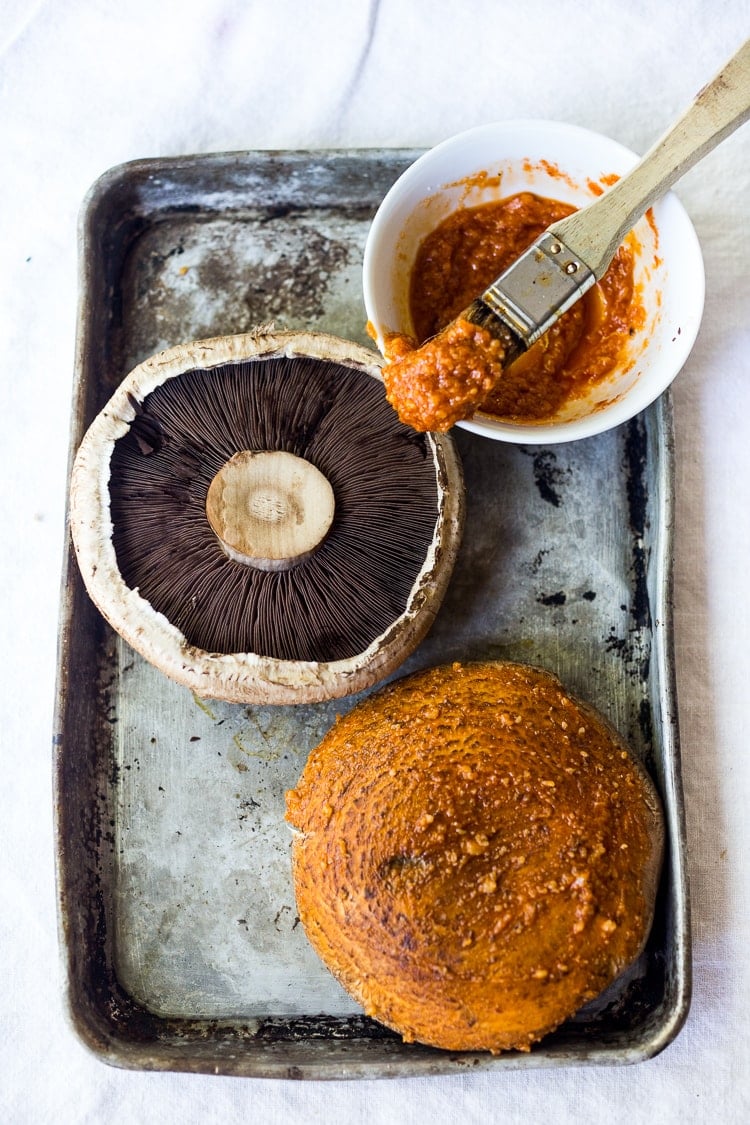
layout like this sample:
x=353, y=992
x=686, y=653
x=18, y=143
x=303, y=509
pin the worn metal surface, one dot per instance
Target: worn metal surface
x=179, y=930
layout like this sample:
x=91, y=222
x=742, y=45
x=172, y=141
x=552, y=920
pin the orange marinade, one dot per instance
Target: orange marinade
x=434, y=387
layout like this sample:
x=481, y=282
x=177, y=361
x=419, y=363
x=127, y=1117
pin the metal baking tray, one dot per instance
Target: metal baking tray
x=181, y=944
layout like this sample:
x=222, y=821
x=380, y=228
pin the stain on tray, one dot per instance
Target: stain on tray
x=635, y=465
x=549, y=477
x=558, y=598
x=247, y=812
x=634, y=651
x=646, y=723
x=617, y=644
x=322, y=1027
x=536, y=564
x=278, y=211
x=296, y=282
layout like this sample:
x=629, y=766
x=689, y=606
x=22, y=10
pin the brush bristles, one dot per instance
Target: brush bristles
x=336, y=603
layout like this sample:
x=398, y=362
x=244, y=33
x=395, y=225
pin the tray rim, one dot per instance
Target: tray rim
x=100, y=1033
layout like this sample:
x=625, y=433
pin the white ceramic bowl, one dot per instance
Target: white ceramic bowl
x=566, y=163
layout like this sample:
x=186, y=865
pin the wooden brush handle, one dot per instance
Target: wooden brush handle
x=595, y=232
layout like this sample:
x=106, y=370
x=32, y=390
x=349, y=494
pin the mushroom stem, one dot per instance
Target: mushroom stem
x=269, y=509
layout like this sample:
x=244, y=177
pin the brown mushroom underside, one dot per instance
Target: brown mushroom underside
x=328, y=606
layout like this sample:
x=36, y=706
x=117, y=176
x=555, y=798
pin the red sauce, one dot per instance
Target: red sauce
x=446, y=379
x=456, y=374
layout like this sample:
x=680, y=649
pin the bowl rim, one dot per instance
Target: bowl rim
x=669, y=213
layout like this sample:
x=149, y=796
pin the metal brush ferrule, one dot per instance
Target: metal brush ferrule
x=538, y=288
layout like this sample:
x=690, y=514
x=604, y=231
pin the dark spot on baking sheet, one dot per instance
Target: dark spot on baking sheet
x=635, y=464
x=558, y=598
x=322, y=1027
x=616, y=644
x=213, y=275
x=629, y=1006
x=246, y=807
x=634, y=648
x=280, y=916
x=645, y=722
x=102, y=986
x=538, y=559
x=589, y=595
x=294, y=285
x=548, y=476
x=157, y=258
x=279, y=211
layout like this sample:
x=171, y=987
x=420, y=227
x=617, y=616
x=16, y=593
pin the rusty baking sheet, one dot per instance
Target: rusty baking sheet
x=181, y=942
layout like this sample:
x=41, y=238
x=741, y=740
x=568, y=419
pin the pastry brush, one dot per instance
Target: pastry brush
x=574, y=253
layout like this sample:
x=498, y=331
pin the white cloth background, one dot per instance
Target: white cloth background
x=87, y=84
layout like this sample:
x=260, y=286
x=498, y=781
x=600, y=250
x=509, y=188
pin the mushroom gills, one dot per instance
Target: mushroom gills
x=326, y=599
